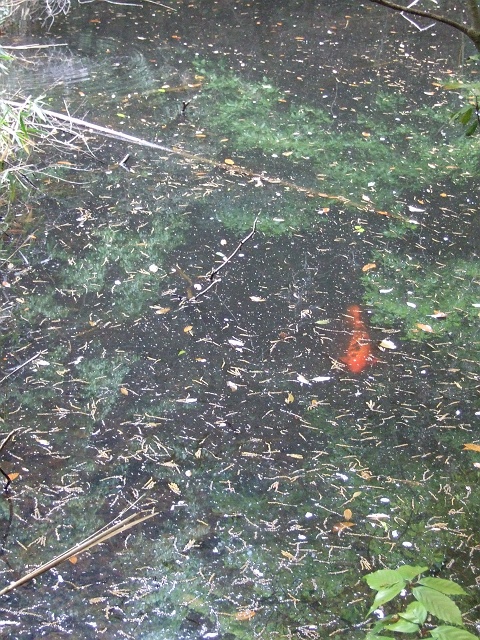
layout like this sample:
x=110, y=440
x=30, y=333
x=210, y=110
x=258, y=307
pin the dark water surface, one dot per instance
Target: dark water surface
x=279, y=475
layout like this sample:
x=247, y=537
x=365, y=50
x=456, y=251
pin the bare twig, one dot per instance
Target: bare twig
x=20, y=366
x=97, y=538
x=426, y=14
x=214, y=272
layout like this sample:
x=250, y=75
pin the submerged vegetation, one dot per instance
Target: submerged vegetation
x=279, y=477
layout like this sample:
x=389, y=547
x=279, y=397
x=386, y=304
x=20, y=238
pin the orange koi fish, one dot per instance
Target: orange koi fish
x=359, y=352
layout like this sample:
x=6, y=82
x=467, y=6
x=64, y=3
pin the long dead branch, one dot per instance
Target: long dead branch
x=230, y=169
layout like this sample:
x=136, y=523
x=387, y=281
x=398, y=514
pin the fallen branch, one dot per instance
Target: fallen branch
x=229, y=168
x=96, y=538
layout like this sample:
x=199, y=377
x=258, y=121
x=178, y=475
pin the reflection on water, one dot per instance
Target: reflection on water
x=280, y=475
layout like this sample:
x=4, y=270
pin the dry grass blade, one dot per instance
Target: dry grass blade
x=88, y=543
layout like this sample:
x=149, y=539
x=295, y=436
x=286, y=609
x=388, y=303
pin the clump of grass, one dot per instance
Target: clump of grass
x=21, y=127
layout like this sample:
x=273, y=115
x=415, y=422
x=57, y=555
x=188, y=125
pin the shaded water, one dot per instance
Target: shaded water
x=232, y=415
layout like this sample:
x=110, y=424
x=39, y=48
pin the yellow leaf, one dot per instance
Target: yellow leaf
x=347, y=514
x=425, y=327
x=173, y=486
x=124, y=391
x=162, y=311
x=290, y=398
x=12, y=476
x=73, y=559
x=229, y=161
x=288, y=555
x=369, y=266
x=188, y=328
x=466, y=447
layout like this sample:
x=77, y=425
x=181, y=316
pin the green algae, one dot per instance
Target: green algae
x=369, y=155
x=442, y=298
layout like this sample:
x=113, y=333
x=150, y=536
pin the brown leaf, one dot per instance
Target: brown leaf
x=369, y=266
x=467, y=447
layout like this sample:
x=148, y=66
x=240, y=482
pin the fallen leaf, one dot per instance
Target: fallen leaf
x=236, y=343
x=248, y=614
x=73, y=559
x=173, y=486
x=425, y=327
x=466, y=447
x=290, y=398
x=187, y=329
x=228, y=161
x=257, y=299
x=161, y=310
x=347, y=514
x=369, y=266
x=124, y=391
x=439, y=315
x=288, y=555
x=12, y=476
x=387, y=344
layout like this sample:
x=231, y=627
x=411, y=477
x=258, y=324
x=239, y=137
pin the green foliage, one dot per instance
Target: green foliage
x=467, y=116
x=430, y=597
x=412, y=293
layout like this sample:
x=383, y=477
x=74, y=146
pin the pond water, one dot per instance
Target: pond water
x=264, y=332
